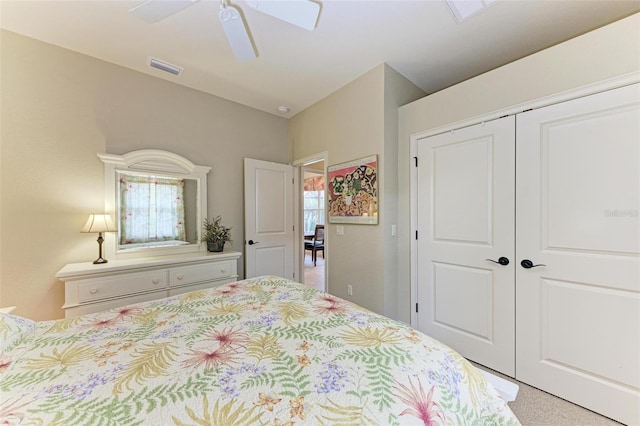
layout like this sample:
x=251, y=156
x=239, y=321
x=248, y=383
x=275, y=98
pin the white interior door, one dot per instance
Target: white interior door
x=465, y=220
x=269, y=218
x=578, y=313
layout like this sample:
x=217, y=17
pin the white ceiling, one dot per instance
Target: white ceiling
x=420, y=39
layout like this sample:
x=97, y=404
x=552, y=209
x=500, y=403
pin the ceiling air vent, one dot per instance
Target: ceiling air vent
x=165, y=66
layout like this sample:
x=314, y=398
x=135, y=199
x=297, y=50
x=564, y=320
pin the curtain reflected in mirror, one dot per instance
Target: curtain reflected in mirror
x=156, y=211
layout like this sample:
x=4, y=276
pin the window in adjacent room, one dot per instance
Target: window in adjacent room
x=313, y=201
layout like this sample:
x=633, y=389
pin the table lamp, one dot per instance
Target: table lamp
x=99, y=222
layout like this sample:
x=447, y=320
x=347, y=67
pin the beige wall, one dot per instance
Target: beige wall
x=356, y=121
x=59, y=109
x=602, y=54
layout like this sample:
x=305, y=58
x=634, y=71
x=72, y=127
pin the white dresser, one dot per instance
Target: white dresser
x=93, y=288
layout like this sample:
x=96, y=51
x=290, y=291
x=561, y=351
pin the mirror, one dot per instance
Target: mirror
x=158, y=201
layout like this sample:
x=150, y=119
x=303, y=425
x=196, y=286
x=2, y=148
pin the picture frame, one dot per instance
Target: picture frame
x=352, y=191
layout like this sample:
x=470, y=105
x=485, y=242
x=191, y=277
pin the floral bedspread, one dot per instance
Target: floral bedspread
x=263, y=351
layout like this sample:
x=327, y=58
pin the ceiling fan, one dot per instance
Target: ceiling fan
x=302, y=13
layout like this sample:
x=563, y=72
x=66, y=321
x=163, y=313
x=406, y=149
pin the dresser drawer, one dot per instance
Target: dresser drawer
x=195, y=273
x=118, y=285
x=92, y=308
x=201, y=286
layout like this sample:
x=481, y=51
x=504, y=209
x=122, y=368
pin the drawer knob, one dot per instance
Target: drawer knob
x=93, y=291
x=156, y=281
x=180, y=277
x=224, y=271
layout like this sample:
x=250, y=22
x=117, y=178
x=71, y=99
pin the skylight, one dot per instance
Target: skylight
x=464, y=9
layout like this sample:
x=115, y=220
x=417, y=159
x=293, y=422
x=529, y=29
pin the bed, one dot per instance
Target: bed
x=263, y=351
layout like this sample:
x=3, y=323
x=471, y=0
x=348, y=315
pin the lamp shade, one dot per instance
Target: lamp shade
x=99, y=222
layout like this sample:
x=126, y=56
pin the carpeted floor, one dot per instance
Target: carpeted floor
x=534, y=407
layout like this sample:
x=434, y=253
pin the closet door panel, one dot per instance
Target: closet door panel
x=462, y=190
x=589, y=173
x=465, y=217
x=578, y=195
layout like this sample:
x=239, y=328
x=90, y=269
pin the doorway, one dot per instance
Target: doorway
x=312, y=220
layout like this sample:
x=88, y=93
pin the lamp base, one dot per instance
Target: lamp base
x=100, y=259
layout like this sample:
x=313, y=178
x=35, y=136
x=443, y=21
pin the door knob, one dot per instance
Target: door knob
x=251, y=242
x=502, y=261
x=527, y=264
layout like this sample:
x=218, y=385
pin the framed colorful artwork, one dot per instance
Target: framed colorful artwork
x=353, y=191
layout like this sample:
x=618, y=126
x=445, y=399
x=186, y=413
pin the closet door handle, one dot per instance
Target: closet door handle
x=502, y=261
x=251, y=242
x=527, y=264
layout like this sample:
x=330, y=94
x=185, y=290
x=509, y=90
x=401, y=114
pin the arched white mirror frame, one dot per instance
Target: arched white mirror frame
x=158, y=163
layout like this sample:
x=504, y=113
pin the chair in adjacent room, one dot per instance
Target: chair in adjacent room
x=316, y=244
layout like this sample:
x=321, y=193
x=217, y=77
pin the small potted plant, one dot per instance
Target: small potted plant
x=215, y=233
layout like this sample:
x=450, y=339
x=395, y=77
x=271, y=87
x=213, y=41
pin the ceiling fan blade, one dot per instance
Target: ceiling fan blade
x=237, y=33
x=302, y=13
x=153, y=11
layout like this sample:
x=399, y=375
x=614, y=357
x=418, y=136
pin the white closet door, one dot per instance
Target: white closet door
x=578, y=189
x=466, y=216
